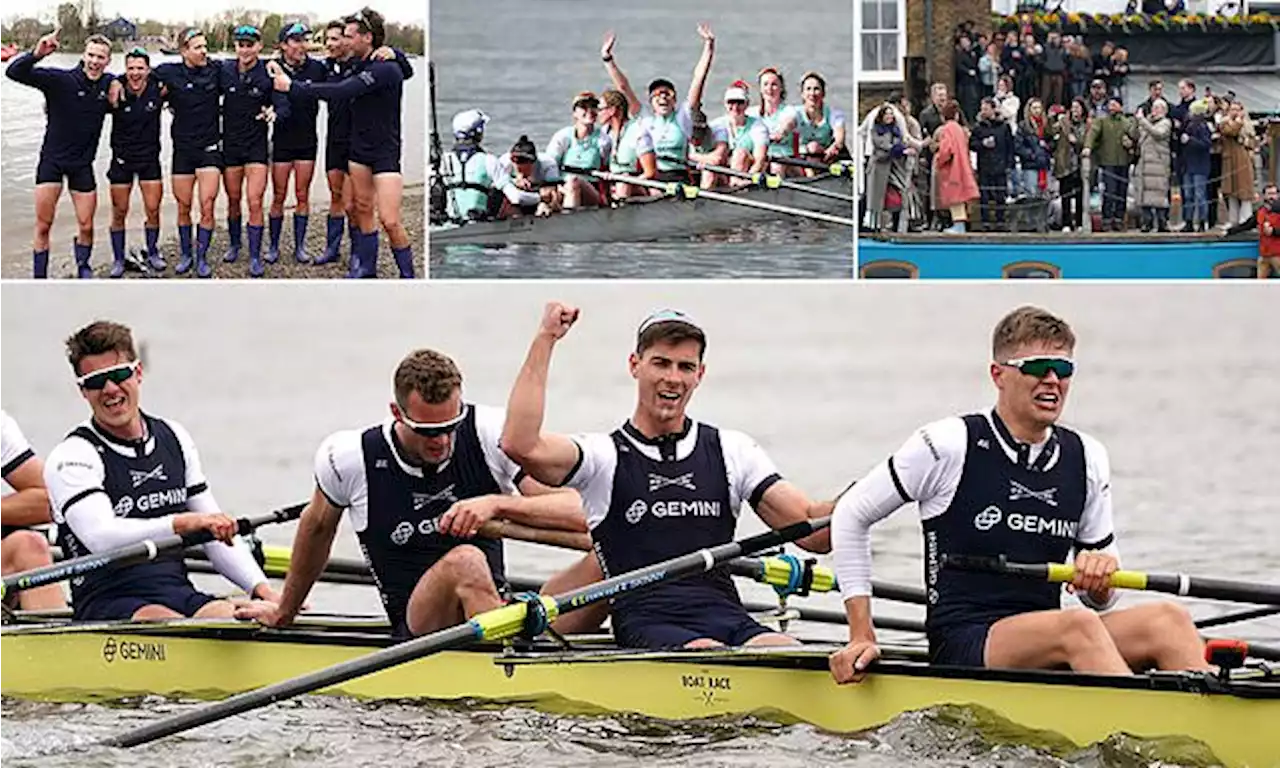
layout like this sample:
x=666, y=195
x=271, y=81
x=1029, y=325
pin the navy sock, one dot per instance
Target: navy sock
x=404, y=260
x=276, y=224
x=153, y=239
x=184, y=240
x=255, y=240
x=40, y=264
x=203, y=236
x=233, y=231
x=299, y=232
x=117, y=244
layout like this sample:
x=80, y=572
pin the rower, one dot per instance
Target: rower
x=581, y=145
x=670, y=128
x=418, y=487
x=1009, y=482
x=528, y=171
x=819, y=127
x=25, y=504
x=475, y=181
x=294, y=143
x=660, y=486
x=135, y=154
x=632, y=153
x=124, y=477
x=748, y=136
x=778, y=117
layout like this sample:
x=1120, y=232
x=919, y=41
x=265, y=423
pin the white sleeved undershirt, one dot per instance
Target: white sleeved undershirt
x=928, y=468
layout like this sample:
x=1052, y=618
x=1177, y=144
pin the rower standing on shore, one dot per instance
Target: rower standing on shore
x=669, y=127
x=136, y=104
x=418, y=488
x=25, y=504
x=123, y=477
x=194, y=86
x=374, y=91
x=338, y=65
x=249, y=106
x=76, y=104
x=294, y=143
x=1010, y=482
x=581, y=145
x=660, y=486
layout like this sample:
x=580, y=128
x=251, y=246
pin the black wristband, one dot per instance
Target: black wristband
x=607, y=59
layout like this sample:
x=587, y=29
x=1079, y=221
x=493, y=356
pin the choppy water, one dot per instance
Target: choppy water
x=22, y=125
x=1176, y=380
x=522, y=63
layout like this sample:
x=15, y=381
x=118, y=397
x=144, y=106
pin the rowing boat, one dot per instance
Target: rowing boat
x=648, y=218
x=1187, y=714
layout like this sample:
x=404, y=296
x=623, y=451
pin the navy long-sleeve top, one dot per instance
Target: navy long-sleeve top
x=298, y=131
x=195, y=95
x=339, y=110
x=76, y=107
x=135, y=122
x=374, y=89
x=244, y=95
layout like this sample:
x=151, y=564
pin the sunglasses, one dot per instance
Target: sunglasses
x=1040, y=367
x=117, y=374
x=439, y=429
x=736, y=103
x=190, y=35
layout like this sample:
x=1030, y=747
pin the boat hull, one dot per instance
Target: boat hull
x=211, y=661
x=650, y=219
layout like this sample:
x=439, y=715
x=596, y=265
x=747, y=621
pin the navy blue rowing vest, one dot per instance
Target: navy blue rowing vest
x=1028, y=512
x=149, y=486
x=400, y=541
x=664, y=509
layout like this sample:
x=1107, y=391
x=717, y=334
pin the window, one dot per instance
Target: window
x=883, y=40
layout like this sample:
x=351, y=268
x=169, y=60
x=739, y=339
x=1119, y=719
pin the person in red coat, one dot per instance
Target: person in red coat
x=954, y=186
x=1269, y=233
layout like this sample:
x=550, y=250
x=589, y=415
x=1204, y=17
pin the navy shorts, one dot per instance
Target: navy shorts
x=176, y=595
x=384, y=164
x=281, y=154
x=729, y=625
x=79, y=177
x=238, y=155
x=963, y=645
x=123, y=171
x=336, y=156
x=187, y=159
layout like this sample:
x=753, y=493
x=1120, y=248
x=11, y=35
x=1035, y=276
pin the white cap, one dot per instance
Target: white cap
x=735, y=94
x=468, y=122
x=666, y=316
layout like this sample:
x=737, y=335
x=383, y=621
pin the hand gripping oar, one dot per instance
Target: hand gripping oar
x=838, y=168
x=529, y=616
x=770, y=181
x=690, y=192
x=1174, y=584
x=134, y=553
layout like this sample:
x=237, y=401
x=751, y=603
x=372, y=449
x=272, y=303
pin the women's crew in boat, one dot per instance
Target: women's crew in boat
x=25, y=504
x=417, y=489
x=660, y=486
x=748, y=136
x=583, y=145
x=669, y=127
x=1010, y=482
x=124, y=476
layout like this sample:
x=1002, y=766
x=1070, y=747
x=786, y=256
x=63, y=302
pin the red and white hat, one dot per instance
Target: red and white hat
x=737, y=91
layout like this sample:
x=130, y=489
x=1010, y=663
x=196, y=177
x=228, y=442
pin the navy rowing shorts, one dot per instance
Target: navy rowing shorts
x=336, y=156
x=236, y=155
x=385, y=164
x=731, y=627
x=123, y=171
x=281, y=154
x=175, y=594
x=963, y=645
x=79, y=177
x=187, y=160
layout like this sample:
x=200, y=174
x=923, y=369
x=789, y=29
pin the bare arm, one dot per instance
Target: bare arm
x=784, y=504
x=30, y=504
x=311, y=546
x=547, y=458
x=703, y=68
x=620, y=81
x=539, y=507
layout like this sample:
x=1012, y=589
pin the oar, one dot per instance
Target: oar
x=690, y=192
x=134, y=553
x=530, y=616
x=1236, y=617
x=788, y=574
x=770, y=181
x=1174, y=584
x=838, y=168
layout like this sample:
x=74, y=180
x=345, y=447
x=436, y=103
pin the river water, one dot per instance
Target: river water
x=22, y=124
x=1177, y=381
x=522, y=63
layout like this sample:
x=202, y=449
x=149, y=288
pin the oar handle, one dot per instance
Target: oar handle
x=140, y=552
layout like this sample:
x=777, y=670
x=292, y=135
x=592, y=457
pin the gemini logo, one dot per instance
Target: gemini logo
x=636, y=511
x=130, y=650
x=988, y=518
x=402, y=533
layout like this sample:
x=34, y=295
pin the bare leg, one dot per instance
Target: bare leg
x=22, y=551
x=1160, y=635
x=585, y=571
x=46, y=205
x=1046, y=639
x=457, y=587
